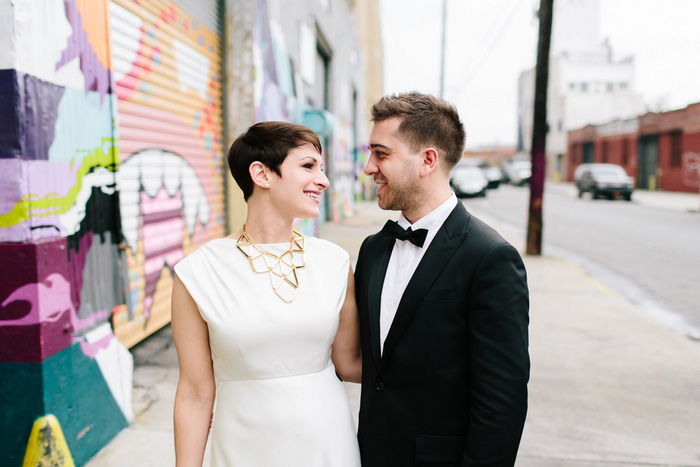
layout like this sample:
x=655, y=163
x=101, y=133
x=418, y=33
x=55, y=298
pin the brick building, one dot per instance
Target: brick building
x=660, y=150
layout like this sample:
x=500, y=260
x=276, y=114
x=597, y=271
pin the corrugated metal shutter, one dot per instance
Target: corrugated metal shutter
x=167, y=76
x=207, y=11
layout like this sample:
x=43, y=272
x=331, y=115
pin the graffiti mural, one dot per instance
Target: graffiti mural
x=60, y=231
x=163, y=198
x=170, y=179
x=110, y=172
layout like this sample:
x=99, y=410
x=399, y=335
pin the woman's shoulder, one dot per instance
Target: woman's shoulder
x=213, y=247
x=326, y=248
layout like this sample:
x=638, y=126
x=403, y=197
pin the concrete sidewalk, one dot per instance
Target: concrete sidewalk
x=609, y=386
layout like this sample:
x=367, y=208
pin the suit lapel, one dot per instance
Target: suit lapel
x=448, y=238
x=374, y=285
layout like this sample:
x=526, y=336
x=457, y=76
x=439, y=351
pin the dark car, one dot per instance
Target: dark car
x=603, y=180
x=494, y=176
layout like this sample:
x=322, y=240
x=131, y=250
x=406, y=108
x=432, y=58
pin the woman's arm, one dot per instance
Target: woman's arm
x=196, y=387
x=347, y=353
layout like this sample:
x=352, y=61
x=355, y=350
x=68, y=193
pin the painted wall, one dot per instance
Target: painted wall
x=59, y=229
x=110, y=172
x=288, y=86
x=167, y=79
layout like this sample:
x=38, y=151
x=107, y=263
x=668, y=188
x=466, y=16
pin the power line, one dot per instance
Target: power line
x=486, y=52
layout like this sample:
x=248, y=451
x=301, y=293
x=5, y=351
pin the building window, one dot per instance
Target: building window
x=572, y=85
x=625, y=152
x=610, y=87
x=584, y=87
x=604, y=151
x=623, y=85
x=676, y=149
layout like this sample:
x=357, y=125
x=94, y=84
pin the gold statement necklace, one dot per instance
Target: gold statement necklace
x=281, y=268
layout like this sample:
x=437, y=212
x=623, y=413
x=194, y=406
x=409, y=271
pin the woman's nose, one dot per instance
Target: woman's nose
x=322, y=181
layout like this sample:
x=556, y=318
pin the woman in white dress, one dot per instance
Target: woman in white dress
x=265, y=322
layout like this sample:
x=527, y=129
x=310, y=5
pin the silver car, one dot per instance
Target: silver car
x=468, y=180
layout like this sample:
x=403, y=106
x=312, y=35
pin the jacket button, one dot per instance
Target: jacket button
x=380, y=386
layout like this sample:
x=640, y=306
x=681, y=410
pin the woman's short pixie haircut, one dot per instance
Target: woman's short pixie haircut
x=268, y=143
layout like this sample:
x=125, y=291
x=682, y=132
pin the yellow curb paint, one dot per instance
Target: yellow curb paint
x=47, y=446
x=588, y=278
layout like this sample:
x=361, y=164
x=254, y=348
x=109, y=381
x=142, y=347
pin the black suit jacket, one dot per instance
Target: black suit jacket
x=451, y=386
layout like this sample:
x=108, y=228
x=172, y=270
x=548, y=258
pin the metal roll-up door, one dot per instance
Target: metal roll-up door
x=167, y=77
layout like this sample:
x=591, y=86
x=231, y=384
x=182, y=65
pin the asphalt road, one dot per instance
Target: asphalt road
x=649, y=255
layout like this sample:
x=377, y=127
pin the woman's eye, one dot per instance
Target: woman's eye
x=308, y=166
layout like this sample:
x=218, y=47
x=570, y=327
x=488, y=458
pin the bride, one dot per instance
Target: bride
x=265, y=321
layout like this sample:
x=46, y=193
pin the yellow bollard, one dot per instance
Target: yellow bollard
x=47, y=446
x=652, y=182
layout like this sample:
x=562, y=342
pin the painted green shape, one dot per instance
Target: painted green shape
x=53, y=203
x=78, y=395
x=68, y=385
x=21, y=402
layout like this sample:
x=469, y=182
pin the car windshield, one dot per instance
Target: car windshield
x=609, y=171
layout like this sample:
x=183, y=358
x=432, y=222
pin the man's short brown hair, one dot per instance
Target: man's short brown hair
x=268, y=143
x=426, y=120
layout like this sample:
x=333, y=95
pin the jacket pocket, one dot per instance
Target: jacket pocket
x=439, y=449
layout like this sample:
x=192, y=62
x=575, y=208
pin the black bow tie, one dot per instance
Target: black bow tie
x=417, y=237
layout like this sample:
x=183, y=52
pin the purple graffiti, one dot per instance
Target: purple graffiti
x=49, y=301
x=97, y=77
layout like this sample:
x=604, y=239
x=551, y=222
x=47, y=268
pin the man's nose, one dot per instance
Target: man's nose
x=370, y=166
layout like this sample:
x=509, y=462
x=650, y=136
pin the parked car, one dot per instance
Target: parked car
x=494, y=177
x=468, y=180
x=608, y=180
x=518, y=172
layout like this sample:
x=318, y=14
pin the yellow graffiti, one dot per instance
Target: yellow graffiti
x=53, y=203
x=47, y=446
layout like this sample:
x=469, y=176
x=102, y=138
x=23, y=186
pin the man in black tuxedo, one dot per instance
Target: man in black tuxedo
x=443, y=304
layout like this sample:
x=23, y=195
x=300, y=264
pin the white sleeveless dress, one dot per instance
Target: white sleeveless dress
x=279, y=402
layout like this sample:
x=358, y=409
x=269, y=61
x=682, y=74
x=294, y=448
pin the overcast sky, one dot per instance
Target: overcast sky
x=490, y=42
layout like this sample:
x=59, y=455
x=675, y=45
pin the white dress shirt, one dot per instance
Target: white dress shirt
x=404, y=260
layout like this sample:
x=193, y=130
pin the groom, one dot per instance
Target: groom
x=443, y=304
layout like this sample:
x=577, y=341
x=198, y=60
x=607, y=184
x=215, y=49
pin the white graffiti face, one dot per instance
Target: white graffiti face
x=150, y=171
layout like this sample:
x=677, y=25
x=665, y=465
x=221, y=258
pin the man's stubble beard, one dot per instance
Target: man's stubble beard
x=406, y=198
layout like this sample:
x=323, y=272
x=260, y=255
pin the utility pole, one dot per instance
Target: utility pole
x=539, y=131
x=442, y=49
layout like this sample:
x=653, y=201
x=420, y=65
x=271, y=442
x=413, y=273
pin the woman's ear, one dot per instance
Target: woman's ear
x=259, y=173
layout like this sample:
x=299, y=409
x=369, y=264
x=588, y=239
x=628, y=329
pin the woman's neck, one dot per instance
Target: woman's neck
x=267, y=227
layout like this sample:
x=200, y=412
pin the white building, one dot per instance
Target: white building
x=586, y=84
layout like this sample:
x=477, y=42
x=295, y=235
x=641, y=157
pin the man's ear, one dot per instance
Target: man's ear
x=259, y=173
x=430, y=161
